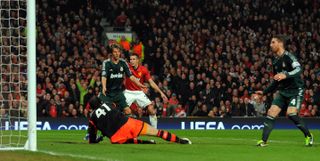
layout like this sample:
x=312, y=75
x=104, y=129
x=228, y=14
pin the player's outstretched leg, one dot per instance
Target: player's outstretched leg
x=165, y=135
x=268, y=127
x=139, y=141
x=300, y=124
x=153, y=120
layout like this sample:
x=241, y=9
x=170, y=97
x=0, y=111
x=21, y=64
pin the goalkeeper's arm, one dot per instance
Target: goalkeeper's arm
x=92, y=130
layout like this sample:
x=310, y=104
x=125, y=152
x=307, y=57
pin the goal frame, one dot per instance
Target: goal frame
x=31, y=142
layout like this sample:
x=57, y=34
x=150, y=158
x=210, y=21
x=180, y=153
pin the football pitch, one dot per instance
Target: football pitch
x=213, y=145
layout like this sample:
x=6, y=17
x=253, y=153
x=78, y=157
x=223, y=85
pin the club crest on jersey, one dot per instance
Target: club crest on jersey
x=283, y=65
x=139, y=74
x=121, y=69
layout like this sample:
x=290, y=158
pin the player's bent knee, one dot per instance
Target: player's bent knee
x=292, y=110
x=274, y=111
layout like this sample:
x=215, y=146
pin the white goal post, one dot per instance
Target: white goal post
x=18, y=75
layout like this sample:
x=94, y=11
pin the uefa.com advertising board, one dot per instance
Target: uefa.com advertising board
x=166, y=123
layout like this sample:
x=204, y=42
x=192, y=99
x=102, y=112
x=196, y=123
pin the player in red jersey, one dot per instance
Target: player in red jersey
x=133, y=93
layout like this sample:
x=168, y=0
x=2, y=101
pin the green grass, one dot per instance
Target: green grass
x=227, y=145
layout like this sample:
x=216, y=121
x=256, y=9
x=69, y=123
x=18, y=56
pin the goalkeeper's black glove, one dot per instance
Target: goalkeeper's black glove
x=97, y=140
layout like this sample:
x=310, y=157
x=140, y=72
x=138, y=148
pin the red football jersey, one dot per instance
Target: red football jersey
x=141, y=73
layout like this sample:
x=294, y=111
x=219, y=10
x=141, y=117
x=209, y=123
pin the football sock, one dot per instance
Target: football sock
x=165, y=135
x=268, y=126
x=300, y=124
x=138, y=141
x=153, y=120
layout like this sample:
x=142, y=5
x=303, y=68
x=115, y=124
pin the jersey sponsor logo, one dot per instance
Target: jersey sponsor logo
x=118, y=75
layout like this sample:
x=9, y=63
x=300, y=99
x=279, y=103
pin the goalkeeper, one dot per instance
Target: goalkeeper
x=121, y=129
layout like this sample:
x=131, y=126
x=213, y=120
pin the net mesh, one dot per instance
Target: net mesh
x=13, y=71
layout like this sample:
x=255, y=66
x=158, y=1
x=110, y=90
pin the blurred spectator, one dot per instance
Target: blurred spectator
x=172, y=105
x=43, y=105
x=202, y=111
x=214, y=112
x=121, y=20
x=40, y=91
x=74, y=113
x=53, y=112
x=224, y=112
x=236, y=107
x=84, y=87
x=259, y=106
x=158, y=105
x=180, y=112
x=191, y=104
x=304, y=111
x=248, y=109
x=315, y=111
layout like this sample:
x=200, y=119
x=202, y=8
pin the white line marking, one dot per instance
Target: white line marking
x=76, y=156
x=243, y=139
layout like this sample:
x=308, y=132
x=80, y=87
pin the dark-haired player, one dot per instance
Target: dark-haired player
x=290, y=88
x=133, y=93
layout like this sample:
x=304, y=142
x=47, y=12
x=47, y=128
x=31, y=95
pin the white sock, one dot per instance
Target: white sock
x=153, y=120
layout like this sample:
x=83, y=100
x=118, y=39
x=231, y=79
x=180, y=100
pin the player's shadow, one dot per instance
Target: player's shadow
x=69, y=142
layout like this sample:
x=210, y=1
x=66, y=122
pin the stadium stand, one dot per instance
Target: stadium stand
x=210, y=55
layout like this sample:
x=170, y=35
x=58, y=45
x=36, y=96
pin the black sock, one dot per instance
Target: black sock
x=138, y=141
x=268, y=126
x=300, y=124
x=165, y=135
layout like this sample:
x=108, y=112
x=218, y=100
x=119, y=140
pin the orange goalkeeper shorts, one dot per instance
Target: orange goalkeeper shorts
x=131, y=129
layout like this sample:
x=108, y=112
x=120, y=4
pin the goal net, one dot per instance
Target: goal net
x=14, y=70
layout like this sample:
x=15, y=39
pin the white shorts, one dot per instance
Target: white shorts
x=136, y=96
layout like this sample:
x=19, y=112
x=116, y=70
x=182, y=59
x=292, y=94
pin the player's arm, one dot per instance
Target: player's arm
x=270, y=88
x=296, y=68
x=92, y=81
x=92, y=130
x=157, y=89
x=104, y=85
x=81, y=89
x=136, y=81
x=104, y=77
x=289, y=74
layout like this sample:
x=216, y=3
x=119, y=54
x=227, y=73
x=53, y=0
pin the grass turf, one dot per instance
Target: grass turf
x=215, y=145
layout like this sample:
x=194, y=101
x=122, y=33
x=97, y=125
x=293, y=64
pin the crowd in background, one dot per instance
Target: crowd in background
x=208, y=56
